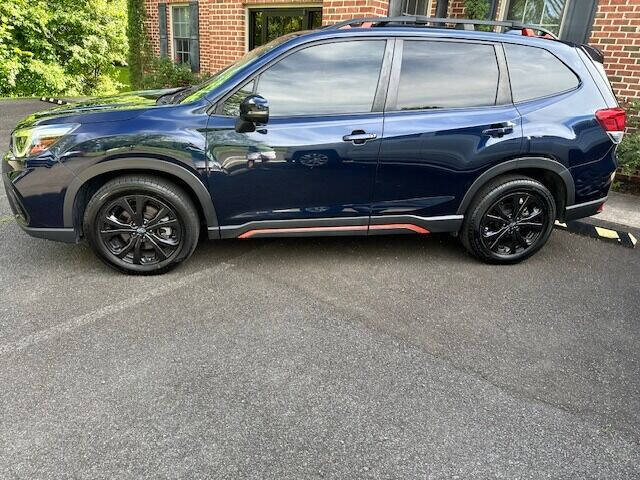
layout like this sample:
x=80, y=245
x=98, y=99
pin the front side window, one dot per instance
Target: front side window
x=535, y=73
x=447, y=75
x=542, y=13
x=181, y=34
x=331, y=78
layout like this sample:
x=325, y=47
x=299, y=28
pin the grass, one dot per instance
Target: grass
x=123, y=77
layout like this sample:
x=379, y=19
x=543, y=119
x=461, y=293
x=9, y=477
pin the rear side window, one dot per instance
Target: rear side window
x=536, y=73
x=447, y=75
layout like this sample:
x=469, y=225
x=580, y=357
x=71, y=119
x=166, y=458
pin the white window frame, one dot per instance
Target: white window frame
x=504, y=8
x=171, y=44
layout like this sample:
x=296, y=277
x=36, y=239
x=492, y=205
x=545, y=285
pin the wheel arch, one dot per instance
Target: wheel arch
x=552, y=174
x=89, y=180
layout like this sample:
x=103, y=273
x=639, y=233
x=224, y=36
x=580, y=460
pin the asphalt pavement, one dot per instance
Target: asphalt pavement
x=383, y=357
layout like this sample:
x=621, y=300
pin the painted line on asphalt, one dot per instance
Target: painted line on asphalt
x=92, y=317
x=626, y=239
x=7, y=219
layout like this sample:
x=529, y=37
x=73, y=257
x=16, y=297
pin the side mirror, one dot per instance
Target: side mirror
x=253, y=110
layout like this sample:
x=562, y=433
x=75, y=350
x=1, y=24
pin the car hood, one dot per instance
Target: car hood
x=99, y=109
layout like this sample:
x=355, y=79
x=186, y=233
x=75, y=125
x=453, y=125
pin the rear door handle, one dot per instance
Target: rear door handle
x=358, y=137
x=499, y=129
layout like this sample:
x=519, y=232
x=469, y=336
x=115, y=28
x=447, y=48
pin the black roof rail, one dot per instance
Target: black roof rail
x=418, y=20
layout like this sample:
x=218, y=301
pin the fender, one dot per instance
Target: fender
x=539, y=163
x=150, y=164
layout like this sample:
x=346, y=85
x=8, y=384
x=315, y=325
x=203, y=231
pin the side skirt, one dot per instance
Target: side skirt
x=378, y=225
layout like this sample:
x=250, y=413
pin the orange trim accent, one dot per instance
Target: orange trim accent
x=251, y=233
x=400, y=226
x=343, y=228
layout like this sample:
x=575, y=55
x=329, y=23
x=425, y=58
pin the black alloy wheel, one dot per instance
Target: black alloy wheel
x=509, y=219
x=141, y=224
x=514, y=223
x=140, y=229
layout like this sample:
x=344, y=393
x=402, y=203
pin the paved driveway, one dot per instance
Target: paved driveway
x=319, y=358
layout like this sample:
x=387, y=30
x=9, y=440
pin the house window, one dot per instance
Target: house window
x=542, y=13
x=415, y=7
x=181, y=34
x=270, y=23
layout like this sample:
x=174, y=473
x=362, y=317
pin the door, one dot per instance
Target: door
x=313, y=164
x=448, y=116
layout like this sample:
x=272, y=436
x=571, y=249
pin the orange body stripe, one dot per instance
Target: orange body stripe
x=344, y=228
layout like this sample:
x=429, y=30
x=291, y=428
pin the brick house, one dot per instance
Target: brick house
x=210, y=34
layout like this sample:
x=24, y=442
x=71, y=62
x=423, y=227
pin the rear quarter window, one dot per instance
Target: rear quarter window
x=536, y=73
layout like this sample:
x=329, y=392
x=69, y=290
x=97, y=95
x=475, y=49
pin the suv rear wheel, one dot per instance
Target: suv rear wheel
x=141, y=224
x=509, y=220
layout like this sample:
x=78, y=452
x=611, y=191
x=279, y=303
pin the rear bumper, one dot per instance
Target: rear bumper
x=581, y=210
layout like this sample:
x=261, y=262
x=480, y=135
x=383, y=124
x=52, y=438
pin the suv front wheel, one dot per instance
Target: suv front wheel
x=509, y=220
x=141, y=224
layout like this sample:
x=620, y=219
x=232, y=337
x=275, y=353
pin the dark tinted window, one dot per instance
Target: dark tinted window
x=330, y=78
x=536, y=73
x=447, y=75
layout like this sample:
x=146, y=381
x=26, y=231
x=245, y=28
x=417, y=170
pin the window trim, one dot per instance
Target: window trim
x=304, y=8
x=381, y=88
x=555, y=94
x=172, y=44
x=503, y=89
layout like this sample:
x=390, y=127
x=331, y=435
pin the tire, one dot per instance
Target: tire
x=168, y=233
x=509, y=219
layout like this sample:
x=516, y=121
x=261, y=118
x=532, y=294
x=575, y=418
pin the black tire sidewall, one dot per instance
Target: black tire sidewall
x=110, y=191
x=472, y=233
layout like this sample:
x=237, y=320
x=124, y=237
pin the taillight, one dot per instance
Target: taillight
x=614, y=121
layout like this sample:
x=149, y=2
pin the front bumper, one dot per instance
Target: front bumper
x=35, y=192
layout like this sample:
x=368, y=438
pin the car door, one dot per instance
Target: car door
x=311, y=168
x=448, y=116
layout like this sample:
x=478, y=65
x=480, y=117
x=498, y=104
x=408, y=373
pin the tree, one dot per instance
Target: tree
x=139, y=48
x=477, y=9
x=54, y=47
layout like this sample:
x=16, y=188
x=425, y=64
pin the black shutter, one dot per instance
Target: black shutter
x=194, y=43
x=578, y=20
x=162, y=28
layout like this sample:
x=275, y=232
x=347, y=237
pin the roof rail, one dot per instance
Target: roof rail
x=463, y=23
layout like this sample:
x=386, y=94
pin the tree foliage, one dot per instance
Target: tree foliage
x=56, y=47
x=477, y=9
x=139, y=48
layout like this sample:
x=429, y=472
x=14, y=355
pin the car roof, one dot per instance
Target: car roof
x=431, y=32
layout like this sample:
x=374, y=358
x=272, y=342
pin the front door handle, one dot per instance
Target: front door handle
x=358, y=137
x=499, y=129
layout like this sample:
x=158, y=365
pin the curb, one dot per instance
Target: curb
x=57, y=101
x=626, y=239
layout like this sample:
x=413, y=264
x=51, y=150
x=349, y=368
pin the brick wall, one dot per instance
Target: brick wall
x=616, y=31
x=223, y=26
x=334, y=11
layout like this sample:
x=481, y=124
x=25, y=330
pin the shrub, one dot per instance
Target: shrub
x=164, y=73
x=629, y=149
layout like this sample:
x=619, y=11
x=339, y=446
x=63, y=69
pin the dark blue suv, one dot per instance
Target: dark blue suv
x=371, y=126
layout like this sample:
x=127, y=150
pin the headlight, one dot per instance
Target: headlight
x=34, y=140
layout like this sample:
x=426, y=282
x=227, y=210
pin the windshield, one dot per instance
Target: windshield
x=199, y=91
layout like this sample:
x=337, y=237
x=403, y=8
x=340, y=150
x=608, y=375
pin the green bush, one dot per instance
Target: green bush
x=629, y=149
x=163, y=73
x=55, y=47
